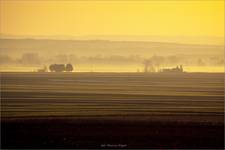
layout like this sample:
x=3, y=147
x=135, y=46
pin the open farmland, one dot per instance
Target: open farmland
x=80, y=107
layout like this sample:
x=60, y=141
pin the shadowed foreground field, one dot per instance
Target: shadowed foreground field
x=112, y=110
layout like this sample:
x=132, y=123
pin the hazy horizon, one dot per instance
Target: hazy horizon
x=196, y=40
x=130, y=74
x=112, y=36
x=108, y=56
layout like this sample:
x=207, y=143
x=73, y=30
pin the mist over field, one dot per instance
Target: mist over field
x=98, y=74
x=108, y=56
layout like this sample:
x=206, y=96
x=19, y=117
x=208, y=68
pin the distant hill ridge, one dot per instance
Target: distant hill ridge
x=105, y=47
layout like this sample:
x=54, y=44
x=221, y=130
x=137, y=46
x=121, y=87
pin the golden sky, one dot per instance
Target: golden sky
x=79, y=18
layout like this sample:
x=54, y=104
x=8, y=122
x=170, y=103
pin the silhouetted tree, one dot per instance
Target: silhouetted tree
x=51, y=68
x=148, y=66
x=69, y=67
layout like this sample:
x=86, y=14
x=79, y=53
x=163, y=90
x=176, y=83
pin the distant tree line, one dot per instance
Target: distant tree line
x=151, y=63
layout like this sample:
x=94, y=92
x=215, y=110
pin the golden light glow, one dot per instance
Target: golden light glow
x=161, y=18
x=195, y=22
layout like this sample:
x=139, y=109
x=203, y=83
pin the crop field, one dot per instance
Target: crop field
x=79, y=106
x=93, y=94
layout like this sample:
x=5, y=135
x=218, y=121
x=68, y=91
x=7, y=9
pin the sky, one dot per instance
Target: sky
x=203, y=18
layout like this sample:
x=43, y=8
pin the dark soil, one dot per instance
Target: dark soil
x=97, y=133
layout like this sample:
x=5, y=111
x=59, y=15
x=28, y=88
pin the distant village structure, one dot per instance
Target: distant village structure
x=61, y=68
x=173, y=70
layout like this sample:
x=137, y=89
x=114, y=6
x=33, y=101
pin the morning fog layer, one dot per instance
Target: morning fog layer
x=108, y=56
